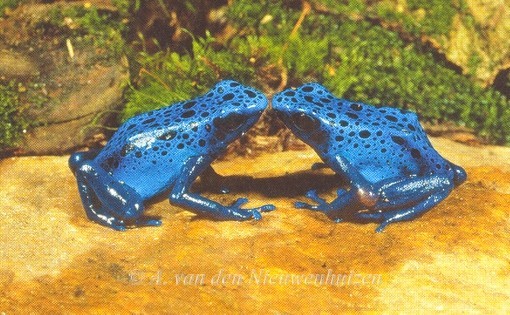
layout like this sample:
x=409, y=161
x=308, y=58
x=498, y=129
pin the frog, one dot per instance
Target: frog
x=391, y=170
x=164, y=151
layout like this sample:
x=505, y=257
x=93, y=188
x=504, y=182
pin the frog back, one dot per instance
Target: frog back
x=148, y=150
x=382, y=142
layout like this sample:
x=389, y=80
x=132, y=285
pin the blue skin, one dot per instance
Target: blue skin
x=165, y=150
x=393, y=171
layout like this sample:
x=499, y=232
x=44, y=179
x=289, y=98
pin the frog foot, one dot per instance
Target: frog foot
x=145, y=221
x=421, y=198
x=384, y=218
x=321, y=204
x=123, y=225
x=246, y=214
x=398, y=215
x=108, y=221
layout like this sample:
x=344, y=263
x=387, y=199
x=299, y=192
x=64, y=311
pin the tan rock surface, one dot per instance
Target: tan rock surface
x=454, y=258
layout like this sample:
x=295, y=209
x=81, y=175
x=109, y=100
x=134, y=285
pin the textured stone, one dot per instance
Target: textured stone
x=73, y=119
x=14, y=65
x=454, y=258
x=68, y=99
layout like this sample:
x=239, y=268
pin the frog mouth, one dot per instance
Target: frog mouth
x=229, y=123
x=304, y=122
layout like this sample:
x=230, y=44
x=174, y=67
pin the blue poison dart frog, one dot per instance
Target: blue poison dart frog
x=394, y=173
x=165, y=150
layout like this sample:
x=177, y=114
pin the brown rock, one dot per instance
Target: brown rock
x=80, y=91
x=453, y=258
x=15, y=66
x=72, y=120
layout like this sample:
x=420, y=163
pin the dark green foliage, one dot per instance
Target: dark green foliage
x=432, y=17
x=351, y=56
x=167, y=77
x=354, y=59
x=11, y=123
x=438, y=17
x=338, y=44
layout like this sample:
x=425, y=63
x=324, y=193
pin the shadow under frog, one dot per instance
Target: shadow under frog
x=394, y=173
x=165, y=150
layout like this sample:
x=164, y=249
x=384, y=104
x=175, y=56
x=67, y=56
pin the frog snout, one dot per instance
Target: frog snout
x=282, y=115
x=459, y=176
x=279, y=107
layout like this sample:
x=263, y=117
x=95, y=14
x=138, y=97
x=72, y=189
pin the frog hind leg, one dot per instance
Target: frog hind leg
x=105, y=200
x=180, y=195
x=404, y=200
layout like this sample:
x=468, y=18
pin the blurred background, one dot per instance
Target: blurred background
x=72, y=71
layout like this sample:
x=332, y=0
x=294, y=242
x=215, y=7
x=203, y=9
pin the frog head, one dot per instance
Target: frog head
x=302, y=111
x=225, y=113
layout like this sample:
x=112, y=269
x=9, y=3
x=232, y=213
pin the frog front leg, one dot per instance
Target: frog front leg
x=105, y=200
x=360, y=195
x=181, y=195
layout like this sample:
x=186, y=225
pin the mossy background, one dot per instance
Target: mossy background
x=369, y=51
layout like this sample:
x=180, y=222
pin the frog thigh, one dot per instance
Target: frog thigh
x=105, y=200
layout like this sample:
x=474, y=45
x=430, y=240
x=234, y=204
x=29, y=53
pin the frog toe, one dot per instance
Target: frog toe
x=255, y=211
x=382, y=226
x=304, y=205
x=267, y=208
x=239, y=202
x=322, y=205
x=243, y=214
x=256, y=215
x=312, y=195
x=147, y=221
x=110, y=222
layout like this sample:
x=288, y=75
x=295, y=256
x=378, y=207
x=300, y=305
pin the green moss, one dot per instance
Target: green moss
x=11, y=122
x=125, y=6
x=432, y=17
x=438, y=15
x=346, y=6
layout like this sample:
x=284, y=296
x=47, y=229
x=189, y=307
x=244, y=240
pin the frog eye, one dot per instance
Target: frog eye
x=304, y=122
x=229, y=123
